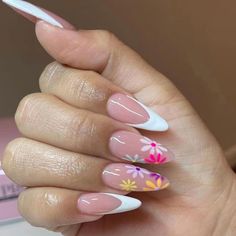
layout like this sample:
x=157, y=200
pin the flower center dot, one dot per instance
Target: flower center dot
x=153, y=144
x=138, y=169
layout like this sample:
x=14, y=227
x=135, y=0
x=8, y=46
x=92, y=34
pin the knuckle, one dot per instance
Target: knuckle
x=109, y=39
x=7, y=162
x=105, y=35
x=28, y=108
x=82, y=87
x=50, y=73
x=11, y=152
x=13, y=162
x=81, y=129
x=38, y=207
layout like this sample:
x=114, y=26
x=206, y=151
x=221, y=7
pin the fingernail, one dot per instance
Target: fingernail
x=137, y=148
x=34, y=13
x=106, y=203
x=133, y=178
x=128, y=110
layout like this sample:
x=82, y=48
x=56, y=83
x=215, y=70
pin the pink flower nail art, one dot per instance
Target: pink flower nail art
x=136, y=148
x=106, y=203
x=133, y=178
x=155, y=159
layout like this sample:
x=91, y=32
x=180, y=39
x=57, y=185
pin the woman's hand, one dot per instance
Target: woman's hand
x=75, y=134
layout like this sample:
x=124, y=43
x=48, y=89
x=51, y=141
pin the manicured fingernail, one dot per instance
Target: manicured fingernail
x=128, y=110
x=137, y=148
x=34, y=13
x=133, y=178
x=106, y=203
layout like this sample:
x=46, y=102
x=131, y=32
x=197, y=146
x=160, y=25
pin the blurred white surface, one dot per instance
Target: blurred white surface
x=23, y=229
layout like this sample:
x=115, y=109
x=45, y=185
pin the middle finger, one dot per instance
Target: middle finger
x=47, y=119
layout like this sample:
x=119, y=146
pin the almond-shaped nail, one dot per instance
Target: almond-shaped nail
x=106, y=203
x=33, y=13
x=137, y=148
x=133, y=178
x=128, y=110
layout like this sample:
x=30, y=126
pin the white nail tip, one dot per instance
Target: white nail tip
x=155, y=122
x=33, y=10
x=127, y=204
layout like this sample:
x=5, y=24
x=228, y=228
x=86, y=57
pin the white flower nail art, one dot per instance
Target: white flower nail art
x=152, y=146
x=134, y=159
x=136, y=171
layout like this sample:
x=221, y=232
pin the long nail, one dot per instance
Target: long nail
x=128, y=110
x=132, y=178
x=106, y=203
x=35, y=13
x=137, y=148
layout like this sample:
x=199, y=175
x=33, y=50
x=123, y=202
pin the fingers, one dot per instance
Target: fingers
x=33, y=164
x=101, y=51
x=55, y=207
x=52, y=167
x=80, y=88
x=88, y=90
x=51, y=207
x=49, y=120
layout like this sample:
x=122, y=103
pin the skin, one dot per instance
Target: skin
x=62, y=124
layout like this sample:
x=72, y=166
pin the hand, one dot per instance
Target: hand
x=70, y=123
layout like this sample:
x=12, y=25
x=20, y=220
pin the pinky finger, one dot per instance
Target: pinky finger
x=55, y=207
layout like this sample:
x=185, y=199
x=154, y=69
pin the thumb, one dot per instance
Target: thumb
x=101, y=51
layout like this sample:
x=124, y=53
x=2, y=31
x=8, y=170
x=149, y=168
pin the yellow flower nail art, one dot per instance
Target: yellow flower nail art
x=151, y=186
x=128, y=185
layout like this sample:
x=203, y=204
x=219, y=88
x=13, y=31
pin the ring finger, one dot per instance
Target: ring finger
x=33, y=164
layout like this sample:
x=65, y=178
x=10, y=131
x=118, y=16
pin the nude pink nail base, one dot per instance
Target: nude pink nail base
x=128, y=110
x=138, y=149
x=133, y=178
x=106, y=203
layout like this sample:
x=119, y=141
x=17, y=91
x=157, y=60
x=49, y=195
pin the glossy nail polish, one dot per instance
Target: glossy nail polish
x=106, y=203
x=32, y=10
x=133, y=178
x=126, y=109
x=137, y=148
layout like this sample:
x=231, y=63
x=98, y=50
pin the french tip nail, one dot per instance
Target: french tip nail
x=106, y=203
x=127, y=203
x=33, y=10
x=161, y=125
x=155, y=122
x=129, y=110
